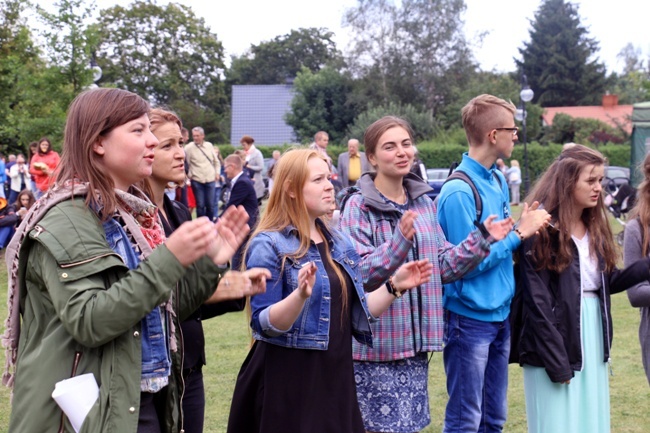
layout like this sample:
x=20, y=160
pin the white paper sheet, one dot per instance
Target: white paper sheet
x=76, y=396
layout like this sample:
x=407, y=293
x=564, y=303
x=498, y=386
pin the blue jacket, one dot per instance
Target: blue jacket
x=274, y=251
x=156, y=356
x=486, y=292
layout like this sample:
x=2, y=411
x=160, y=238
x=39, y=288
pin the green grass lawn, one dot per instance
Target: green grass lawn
x=227, y=340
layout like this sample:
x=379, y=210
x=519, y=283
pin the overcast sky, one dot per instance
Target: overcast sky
x=240, y=23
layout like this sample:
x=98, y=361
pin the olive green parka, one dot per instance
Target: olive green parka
x=81, y=309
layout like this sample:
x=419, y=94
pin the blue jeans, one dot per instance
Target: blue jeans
x=204, y=196
x=476, y=363
x=6, y=233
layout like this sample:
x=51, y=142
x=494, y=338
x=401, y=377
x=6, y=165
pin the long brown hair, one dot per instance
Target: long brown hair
x=374, y=132
x=641, y=209
x=93, y=114
x=554, y=190
x=282, y=210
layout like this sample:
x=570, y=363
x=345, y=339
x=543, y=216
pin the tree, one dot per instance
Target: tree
x=414, y=53
x=281, y=59
x=633, y=85
x=560, y=59
x=422, y=122
x=32, y=96
x=168, y=55
x=69, y=41
x=320, y=104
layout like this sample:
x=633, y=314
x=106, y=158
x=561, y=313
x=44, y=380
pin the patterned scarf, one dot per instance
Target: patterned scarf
x=140, y=222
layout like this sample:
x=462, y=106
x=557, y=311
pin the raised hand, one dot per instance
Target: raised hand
x=231, y=229
x=306, y=280
x=532, y=219
x=498, y=229
x=192, y=240
x=257, y=277
x=406, y=224
x=236, y=285
x=412, y=274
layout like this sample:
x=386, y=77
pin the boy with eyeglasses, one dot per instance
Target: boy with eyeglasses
x=477, y=307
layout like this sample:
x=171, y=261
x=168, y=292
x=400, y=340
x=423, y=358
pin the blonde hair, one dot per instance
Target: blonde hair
x=480, y=114
x=514, y=163
x=287, y=207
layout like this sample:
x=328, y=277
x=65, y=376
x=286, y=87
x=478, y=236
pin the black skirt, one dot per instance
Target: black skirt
x=297, y=390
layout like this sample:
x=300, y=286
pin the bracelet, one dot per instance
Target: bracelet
x=391, y=288
x=521, y=236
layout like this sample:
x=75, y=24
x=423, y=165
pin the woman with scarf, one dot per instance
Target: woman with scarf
x=93, y=278
x=168, y=167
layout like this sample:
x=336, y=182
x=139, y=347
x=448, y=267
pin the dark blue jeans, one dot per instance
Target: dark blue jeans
x=204, y=196
x=193, y=401
x=476, y=363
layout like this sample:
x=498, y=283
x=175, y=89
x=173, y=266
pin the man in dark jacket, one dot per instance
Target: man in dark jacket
x=242, y=192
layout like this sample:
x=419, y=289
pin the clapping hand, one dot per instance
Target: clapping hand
x=412, y=274
x=306, y=279
x=498, y=229
x=236, y=285
x=406, y=224
x=232, y=229
x=533, y=218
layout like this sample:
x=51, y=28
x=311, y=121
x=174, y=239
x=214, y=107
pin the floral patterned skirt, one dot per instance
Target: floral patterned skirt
x=393, y=396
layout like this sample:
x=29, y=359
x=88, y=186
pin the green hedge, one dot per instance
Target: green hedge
x=437, y=155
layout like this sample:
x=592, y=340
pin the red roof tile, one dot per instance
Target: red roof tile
x=614, y=116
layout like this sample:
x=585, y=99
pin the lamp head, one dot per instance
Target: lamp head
x=526, y=94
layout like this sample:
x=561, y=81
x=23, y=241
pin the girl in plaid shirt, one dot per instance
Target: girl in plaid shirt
x=391, y=220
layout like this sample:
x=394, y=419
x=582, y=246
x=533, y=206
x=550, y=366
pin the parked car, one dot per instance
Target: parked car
x=615, y=177
x=436, y=177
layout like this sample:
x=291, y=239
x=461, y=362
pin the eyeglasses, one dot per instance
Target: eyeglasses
x=514, y=130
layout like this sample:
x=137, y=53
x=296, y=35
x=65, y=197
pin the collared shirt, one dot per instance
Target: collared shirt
x=202, y=162
x=234, y=179
x=354, y=170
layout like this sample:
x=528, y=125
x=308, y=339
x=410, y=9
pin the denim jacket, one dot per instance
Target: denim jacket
x=156, y=357
x=311, y=330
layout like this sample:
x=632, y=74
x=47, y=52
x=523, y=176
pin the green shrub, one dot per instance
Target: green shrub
x=422, y=122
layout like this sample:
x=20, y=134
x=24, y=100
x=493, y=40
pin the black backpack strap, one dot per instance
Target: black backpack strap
x=461, y=175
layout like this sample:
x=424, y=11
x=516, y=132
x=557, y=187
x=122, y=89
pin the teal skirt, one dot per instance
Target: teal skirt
x=583, y=405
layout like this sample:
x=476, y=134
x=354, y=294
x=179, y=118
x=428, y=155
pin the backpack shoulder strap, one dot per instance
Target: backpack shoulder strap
x=461, y=175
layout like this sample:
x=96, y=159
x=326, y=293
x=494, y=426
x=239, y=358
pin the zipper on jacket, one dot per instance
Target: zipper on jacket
x=73, y=373
x=88, y=260
x=180, y=346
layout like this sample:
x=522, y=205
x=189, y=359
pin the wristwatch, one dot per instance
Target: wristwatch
x=391, y=288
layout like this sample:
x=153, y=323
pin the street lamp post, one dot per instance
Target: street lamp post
x=97, y=71
x=526, y=95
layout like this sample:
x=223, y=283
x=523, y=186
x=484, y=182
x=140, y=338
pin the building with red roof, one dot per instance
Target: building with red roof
x=609, y=112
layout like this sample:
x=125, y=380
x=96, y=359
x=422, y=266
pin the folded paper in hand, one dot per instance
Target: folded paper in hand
x=75, y=396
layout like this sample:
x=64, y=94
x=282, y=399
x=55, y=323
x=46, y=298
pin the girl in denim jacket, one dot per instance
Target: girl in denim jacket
x=298, y=376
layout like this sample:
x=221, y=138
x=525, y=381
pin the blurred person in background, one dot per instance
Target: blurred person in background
x=42, y=166
x=19, y=178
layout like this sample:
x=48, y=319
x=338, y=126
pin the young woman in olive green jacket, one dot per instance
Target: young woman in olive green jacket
x=92, y=276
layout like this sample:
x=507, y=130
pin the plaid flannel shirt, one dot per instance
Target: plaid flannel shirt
x=414, y=322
